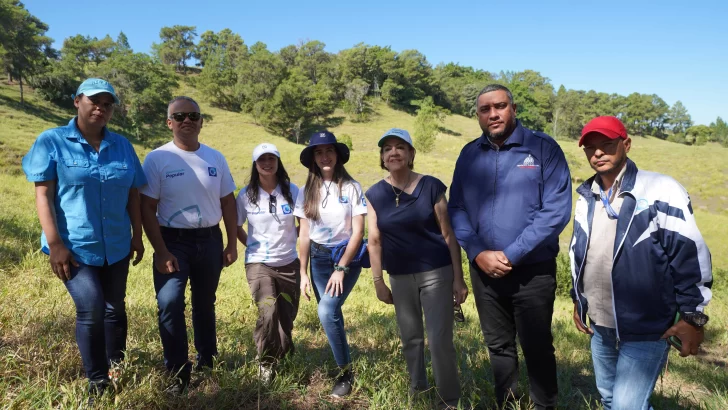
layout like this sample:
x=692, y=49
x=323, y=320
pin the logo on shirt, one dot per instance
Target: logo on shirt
x=344, y=199
x=363, y=200
x=642, y=204
x=286, y=209
x=529, y=162
x=212, y=171
x=174, y=173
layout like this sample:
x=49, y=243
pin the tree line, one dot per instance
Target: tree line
x=296, y=89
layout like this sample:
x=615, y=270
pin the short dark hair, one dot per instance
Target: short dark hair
x=182, y=98
x=494, y=87
x=410, y=165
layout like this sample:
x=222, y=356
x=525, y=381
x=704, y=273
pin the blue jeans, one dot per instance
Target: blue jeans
x=101, y=325
x=626, y=377
x=199, y=254
x=329, y=308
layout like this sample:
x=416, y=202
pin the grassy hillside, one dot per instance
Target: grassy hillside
x=39, y=362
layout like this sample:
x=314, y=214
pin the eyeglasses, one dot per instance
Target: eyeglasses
x=180, y=116
x=272, y=204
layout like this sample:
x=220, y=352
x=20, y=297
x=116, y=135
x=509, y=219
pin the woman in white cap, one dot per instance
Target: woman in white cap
x=271, y=261
x=411, y=238
x=331, y=207
x=86, y=193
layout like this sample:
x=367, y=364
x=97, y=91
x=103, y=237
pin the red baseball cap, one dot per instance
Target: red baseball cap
x=608, y=126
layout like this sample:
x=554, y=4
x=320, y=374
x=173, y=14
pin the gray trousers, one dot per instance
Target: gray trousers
x=432, y=292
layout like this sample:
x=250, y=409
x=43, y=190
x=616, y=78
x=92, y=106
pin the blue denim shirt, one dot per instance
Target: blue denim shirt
x=515, y=198
x=92, y=190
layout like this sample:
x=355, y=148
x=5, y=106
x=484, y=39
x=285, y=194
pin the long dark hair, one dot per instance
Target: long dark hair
x=314, y=181
x=282, y=178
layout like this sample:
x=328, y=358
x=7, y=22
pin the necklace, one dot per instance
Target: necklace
x=396, y=195
x=326, y=198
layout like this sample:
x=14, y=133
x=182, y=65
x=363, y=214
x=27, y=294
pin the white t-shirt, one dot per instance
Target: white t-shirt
x=334, y=226
x=271, y=236
x=188, y=185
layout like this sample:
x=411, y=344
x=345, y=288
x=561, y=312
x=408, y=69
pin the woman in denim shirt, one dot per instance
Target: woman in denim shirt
x=86, y=195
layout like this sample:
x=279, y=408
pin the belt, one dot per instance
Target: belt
x=319, y=247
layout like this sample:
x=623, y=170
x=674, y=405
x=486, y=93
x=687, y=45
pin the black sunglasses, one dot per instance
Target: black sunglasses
x=272, y=204
x=458, y=313
x=180, y=116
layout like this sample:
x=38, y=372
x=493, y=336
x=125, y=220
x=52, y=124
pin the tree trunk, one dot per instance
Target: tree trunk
x=20, y=80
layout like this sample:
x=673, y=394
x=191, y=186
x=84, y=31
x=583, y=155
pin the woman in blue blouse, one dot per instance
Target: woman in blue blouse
x=86, y=181
x=411, y=238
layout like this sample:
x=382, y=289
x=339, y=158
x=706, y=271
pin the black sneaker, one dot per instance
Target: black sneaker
x=177, y=387
x=96, y=389
x=342, y=387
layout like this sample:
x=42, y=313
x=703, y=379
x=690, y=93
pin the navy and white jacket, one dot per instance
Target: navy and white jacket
x=661, y=264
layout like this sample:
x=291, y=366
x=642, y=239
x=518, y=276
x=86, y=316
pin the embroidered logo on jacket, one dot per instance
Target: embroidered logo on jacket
x=529, y=162
x=286, y=209
x=212, y=171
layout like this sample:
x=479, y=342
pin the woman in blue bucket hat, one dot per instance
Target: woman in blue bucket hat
x=331, y=206
x=86, y=192
x=411, y=238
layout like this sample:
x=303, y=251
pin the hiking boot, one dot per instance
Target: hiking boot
x=342, y=386
x=96, y=389
x=177, y=387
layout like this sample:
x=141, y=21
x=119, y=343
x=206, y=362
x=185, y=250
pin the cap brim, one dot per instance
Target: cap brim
x=89, y=93
x=384, y=137
x=611, y=134
x=307, y=154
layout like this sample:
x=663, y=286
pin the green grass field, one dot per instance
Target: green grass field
x=39, y=362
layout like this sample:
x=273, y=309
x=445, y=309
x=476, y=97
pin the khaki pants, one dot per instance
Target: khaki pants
x=275, y=313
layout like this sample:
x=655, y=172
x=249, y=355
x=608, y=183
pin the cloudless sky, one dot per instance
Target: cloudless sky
x=675, y=49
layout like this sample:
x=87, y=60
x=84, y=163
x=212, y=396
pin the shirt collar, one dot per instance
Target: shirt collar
x=516, y=138
x=616, y=188
x=75, y=133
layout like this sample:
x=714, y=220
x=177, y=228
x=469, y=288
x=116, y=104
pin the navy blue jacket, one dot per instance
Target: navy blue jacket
x=661, y=264
x=515, y=199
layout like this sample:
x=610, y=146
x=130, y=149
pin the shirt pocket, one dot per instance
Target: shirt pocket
x=74, y=171
x=120, y=173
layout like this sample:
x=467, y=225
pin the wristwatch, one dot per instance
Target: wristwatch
x=344, y=269
x=697, y=319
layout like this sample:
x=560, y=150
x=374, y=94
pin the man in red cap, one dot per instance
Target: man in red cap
x=640, y=268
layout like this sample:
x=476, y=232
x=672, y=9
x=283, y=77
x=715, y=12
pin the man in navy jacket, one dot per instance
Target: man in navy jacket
x=510, y=199
x=637, y=259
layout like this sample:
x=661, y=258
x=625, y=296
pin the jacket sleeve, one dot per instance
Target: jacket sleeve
x=464, y=232
x=688, y=255
x=555, y=212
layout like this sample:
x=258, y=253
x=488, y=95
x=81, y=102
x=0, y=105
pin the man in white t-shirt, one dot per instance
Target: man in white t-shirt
x=189, y=190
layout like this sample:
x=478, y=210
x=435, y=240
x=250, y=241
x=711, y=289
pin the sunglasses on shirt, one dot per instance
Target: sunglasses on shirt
x=180, y=116
x=272, y=204
x=458, y=313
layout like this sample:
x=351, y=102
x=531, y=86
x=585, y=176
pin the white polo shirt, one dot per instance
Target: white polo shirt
x=334, y=226
x=271, y=236
x=188, y=185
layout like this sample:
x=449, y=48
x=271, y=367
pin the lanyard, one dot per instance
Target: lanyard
x=611, y=213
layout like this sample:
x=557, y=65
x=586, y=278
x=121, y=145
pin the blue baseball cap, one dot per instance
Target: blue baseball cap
x=93, y=86
x=397, y=133
x=323, y=138
x=265, y=148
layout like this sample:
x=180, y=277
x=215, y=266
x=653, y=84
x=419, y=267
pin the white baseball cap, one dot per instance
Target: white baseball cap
x=265, y=148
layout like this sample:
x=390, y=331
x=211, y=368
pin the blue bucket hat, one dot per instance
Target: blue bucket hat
x=397, y=133
x=323, y=138
x=93, y=86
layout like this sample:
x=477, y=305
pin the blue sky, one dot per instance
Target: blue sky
x=676, y=49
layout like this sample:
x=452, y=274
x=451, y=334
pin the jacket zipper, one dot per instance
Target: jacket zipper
x=611, y=277
x=495, y=188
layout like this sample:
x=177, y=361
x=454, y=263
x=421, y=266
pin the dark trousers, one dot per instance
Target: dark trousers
x=199, y=254
x=276, y=313
x=101, y=325
x=522, y=304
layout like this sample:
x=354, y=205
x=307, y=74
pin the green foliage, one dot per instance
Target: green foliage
x=354, y=103
x=698, y=134
x=719, y=131
x=426, y=124
x=346, y=140
x=221, y=54
x=679, y=118
x=177, y=45
x=258, y=78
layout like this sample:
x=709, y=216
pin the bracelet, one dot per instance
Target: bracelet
x=378, y=278
x=344, y=269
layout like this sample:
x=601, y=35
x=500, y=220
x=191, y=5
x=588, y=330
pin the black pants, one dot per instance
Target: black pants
x=520, y=303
